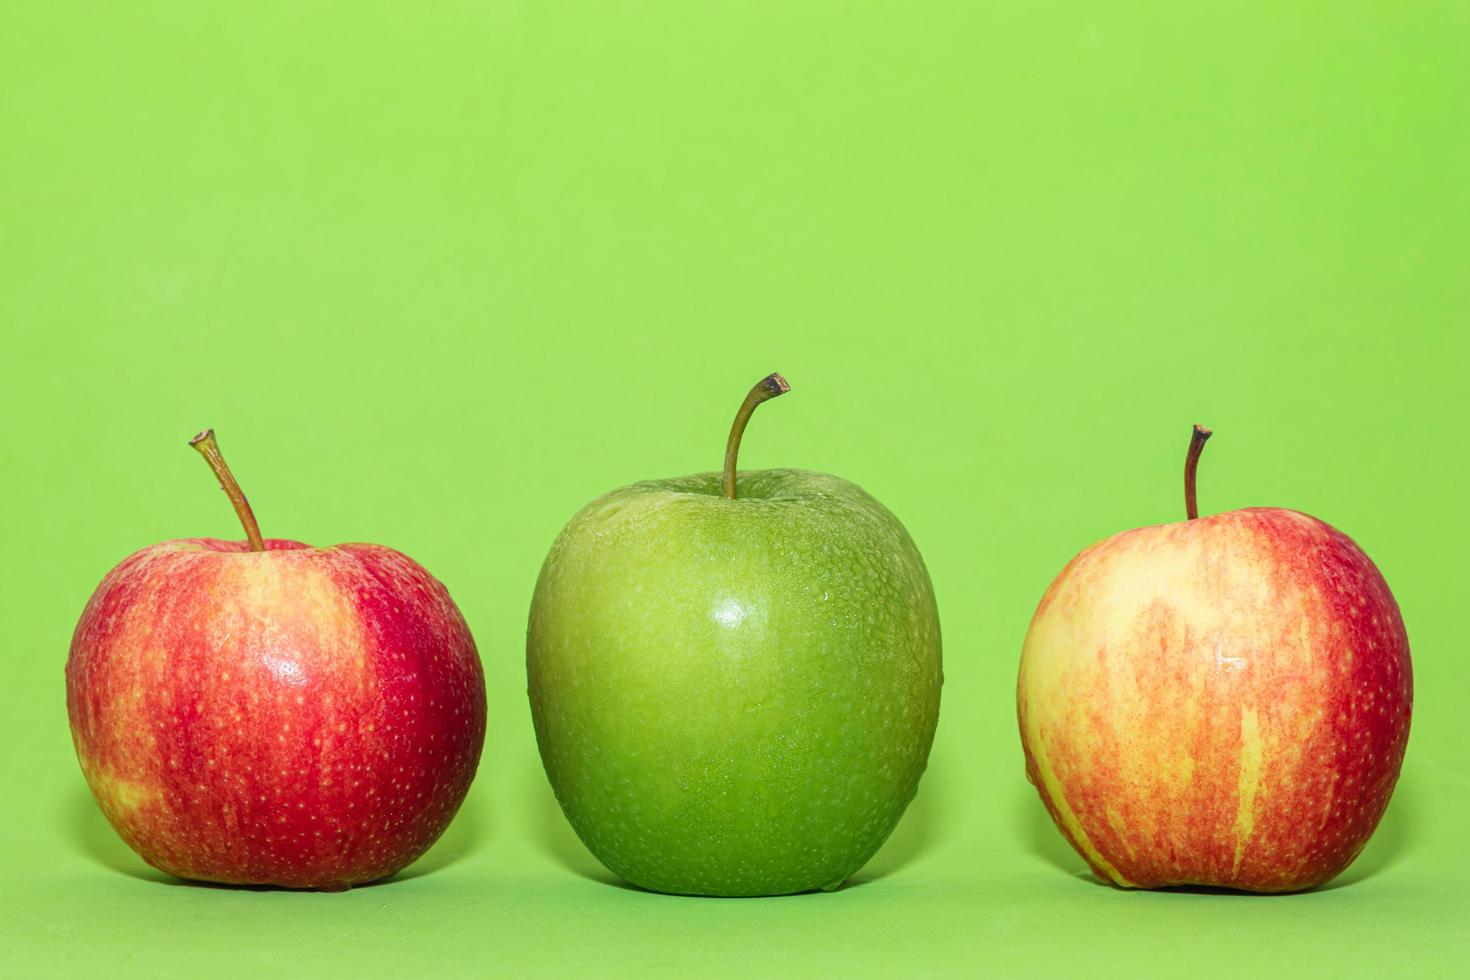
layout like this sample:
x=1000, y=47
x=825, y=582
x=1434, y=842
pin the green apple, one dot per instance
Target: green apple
x=734, y=695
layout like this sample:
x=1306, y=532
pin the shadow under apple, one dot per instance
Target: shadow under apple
x=90, y=834
x=1040, y=838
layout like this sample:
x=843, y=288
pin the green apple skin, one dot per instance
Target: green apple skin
x=734, y=697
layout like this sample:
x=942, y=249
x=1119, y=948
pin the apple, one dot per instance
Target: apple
x=734, y=680
x=1223, y=701
x=266, y=712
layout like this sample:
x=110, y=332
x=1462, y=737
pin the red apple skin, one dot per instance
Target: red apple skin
x=304, y=717
x=1220, y=702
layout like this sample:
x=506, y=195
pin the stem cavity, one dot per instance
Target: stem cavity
x=209, y=449
x=765, y=389
x=1197, y=442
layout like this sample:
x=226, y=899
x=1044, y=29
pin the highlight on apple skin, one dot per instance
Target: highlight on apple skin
x=1222, y=702
x=266, y=712
x=734, y=695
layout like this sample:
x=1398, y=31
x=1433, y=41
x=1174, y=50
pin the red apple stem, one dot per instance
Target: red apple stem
x=765, y=389
x=1197, y=442
x=209, y=449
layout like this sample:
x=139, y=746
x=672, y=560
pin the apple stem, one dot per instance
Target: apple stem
x=765, y=389
x=209, y=449
x=1197, y=442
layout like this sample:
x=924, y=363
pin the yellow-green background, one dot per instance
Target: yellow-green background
x=441, y=272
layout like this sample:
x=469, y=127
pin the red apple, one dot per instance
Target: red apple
x=267, y=712
x=1223, y=701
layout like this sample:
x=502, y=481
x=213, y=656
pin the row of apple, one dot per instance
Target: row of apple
x=735, y=682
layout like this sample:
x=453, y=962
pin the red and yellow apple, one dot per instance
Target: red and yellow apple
x=1223, y=701
x=268, y=712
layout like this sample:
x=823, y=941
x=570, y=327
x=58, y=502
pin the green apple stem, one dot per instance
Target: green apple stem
x=765, y=389
x=209, y=449
x=1191, y=463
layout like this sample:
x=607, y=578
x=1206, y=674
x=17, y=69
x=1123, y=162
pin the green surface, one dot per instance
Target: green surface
x=441, y=273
